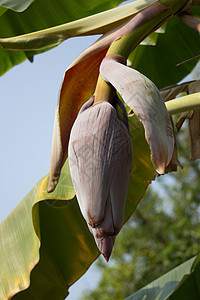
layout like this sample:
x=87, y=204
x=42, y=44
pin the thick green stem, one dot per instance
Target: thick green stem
x=182, y=104
x=103, y=92
x=142, y=25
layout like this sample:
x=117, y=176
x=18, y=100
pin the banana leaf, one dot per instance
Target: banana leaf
x=42, y=14
x=151, y=58
x=95, y=24
x=45, y=244
x=180, y=283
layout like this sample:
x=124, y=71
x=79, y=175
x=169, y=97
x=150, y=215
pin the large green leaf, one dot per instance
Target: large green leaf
x=177, y=44
x=2, y=10
x=42, y=14
x=180, y=283
x=95, y=24
x=47, y=234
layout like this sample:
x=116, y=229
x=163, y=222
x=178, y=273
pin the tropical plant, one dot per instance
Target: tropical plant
x=60, y=248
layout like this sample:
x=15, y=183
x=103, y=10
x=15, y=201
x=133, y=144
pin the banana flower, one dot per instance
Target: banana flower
x=100, y=151
x=100, y=160
x=98, y=143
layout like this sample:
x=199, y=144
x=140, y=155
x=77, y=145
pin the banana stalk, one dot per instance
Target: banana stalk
x=100, y=161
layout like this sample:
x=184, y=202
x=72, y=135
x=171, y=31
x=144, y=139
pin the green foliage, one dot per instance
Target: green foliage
x=39, y=15
x=163, y=232
x=95, y=24
x=179, y=283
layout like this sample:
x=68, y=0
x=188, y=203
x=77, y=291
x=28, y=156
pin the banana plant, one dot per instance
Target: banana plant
x=112, y=156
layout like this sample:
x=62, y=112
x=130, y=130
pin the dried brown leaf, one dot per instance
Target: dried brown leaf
x=194, y=135
x=191, y=20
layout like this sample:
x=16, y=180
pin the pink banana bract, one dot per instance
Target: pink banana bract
x=143, y=97
x=100, y=160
